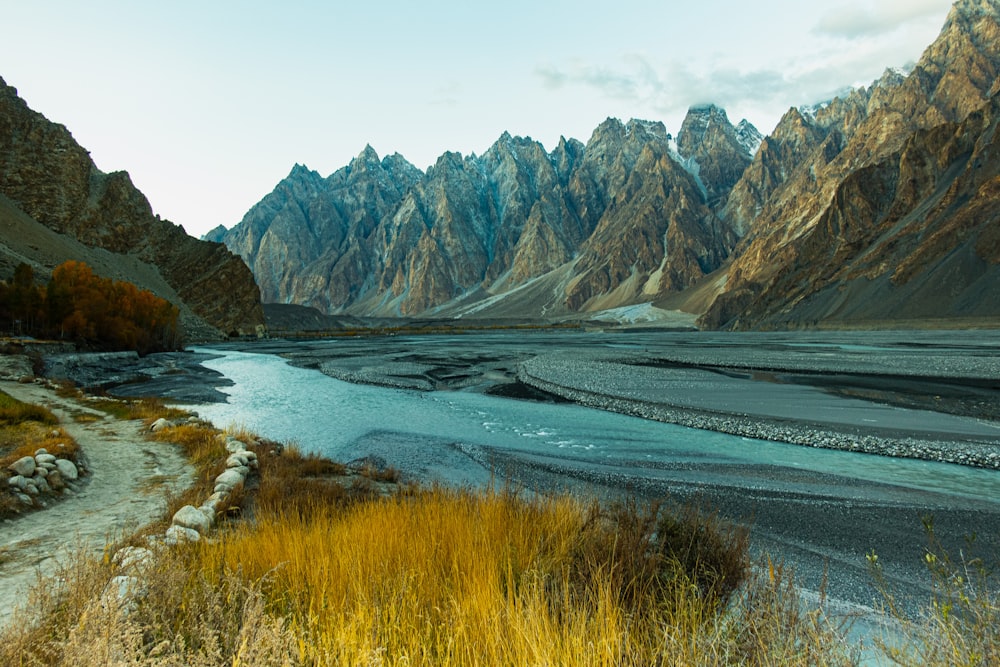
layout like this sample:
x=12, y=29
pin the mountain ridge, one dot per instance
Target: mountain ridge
x=473, y=228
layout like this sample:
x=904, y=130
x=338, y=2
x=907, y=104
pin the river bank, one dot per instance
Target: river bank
x=927, y=395
x=130, y=481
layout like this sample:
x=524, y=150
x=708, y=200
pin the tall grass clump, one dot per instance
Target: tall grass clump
x=14, y=412
x=458, y=578
x=960, y=625
x=433, y=577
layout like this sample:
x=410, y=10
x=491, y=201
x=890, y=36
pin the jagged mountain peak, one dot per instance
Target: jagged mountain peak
x=613, y=133
x=698, y=123
x=300, y=174
x=892, y=77
x=749, y=137
x=648, y=128
x=366, y=160
x=299, y=169
x=399, y=166
x=447, y=162
x=964, y=10
x=512, y=145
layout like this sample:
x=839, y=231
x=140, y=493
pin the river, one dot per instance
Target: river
x=821, y=511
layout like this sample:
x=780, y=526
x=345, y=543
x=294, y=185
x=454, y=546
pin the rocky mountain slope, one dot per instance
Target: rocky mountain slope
x=882, y=206
x=876, y=208
x=55, y=196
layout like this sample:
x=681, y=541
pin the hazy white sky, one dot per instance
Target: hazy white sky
x=208, y=103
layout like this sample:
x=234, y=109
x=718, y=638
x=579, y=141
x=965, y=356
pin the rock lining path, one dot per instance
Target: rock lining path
x=130, y=479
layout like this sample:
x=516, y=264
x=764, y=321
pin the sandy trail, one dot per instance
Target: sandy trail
x=129, y=483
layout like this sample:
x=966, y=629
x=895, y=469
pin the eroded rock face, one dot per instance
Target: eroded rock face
x=623, y=216
x=879, y=207
x=52, y=179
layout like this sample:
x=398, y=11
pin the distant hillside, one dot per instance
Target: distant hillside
x=56, y=205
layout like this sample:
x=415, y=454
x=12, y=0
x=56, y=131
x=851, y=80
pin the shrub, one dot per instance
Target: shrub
x=961, y=623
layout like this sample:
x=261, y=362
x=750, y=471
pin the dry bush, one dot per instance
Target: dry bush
x=767, y=623
x=712, y=551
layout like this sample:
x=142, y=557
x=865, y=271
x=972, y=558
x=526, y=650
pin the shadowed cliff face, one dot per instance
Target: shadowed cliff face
x=623, y=218
x=879, y=207
x=53, y=180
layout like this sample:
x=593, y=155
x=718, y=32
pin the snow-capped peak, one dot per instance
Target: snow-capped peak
x=749, y=137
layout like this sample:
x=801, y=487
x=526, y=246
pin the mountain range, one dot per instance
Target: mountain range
x=881, y=207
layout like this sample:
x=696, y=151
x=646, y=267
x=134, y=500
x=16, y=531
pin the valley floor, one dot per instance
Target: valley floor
x=922, y=394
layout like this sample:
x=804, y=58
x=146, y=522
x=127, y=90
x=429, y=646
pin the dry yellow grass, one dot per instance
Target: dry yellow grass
x=432, y=578
x=459, y=578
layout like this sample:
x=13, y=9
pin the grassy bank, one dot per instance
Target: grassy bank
x=316, y=565
x=24, y=429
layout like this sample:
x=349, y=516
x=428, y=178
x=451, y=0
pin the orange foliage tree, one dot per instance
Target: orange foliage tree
x=103, y=313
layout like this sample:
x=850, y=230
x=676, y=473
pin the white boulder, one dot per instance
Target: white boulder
x=24, y=466
x=229, y=480
x=233, y=445
x=179, y=535
x=67, y=469
x=159, y=425
x=237, y=460
x=132, y=557
x=191, y=517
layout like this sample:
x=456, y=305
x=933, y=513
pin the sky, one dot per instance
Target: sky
x=209, y=103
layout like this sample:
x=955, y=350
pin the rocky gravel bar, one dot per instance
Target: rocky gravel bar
x=630, y=386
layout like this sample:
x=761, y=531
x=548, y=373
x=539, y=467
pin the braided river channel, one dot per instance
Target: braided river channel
x=819, y=510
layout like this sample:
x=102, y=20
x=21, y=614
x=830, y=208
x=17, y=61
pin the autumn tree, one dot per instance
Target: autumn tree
x=99, y=312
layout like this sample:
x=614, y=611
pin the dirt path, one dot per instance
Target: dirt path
x=130, y=479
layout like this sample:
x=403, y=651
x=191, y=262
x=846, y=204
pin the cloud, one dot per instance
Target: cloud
x=673, y=86
x=864, y=19
x=634, y=82
x=447, y=95
x=761, y=93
